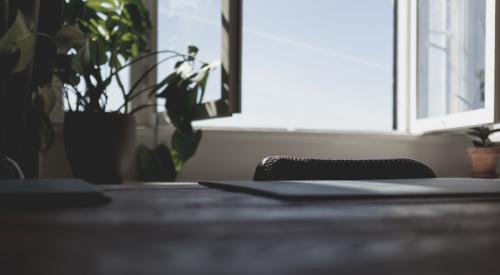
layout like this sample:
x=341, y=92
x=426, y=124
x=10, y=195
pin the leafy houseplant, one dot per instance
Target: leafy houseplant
x=483, y=156
x=183, y=91
x=99, y=40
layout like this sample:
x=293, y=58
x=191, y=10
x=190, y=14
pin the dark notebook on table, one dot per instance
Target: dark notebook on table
x=365, y=189
x=60, y=193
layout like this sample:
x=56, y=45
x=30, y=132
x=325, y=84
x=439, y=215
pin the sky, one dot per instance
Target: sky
x=312, y=65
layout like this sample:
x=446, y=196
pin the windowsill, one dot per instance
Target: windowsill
x=58, y=127
x=376, y=135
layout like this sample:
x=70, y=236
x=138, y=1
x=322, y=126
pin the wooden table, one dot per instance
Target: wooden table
x=190, y=229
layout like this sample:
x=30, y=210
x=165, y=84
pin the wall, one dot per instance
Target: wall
x=233, y=155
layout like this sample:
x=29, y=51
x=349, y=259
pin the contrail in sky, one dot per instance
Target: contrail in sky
x=284, y=40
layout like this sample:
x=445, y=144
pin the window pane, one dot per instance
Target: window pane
x=115, y=99
x=451, y=56
x=115, y=94
x=323, y=64
x=191, y=22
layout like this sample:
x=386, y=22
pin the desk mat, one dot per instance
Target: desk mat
x=60, y=193
x=366, y=189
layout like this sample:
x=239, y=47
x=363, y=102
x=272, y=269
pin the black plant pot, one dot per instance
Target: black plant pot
x=99, y=146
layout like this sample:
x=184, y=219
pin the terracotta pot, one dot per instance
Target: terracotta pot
x=483, y=162
x=99, y=146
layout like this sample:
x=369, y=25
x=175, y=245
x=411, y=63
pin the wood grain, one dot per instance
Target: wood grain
x=190, y=229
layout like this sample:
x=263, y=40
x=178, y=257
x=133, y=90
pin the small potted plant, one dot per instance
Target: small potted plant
x=483, y=156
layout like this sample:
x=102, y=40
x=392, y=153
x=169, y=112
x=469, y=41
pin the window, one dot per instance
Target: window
x=329, y=64
x=198, y=22
x=182, y=23
x=306, y=65
x=114, y=100
x=451, y=57
x=454, y=84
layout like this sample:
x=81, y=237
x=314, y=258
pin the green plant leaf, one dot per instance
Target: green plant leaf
x=69, y=37
x=192, y=96
x=20, y=37
x=76, y=65
x=147, y=164
x=192, y=50
x=83, y=58
x=97, y=50
x=136, y=16
x=166, y=162
x=184, y=145
x=177, y=106
x=104, y=6
x=155, y=165
x=171, y=79
x=18, y=29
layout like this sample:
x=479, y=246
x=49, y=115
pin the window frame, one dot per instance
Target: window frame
x=489, y=114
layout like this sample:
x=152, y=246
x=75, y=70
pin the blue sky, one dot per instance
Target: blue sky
x=322, y=64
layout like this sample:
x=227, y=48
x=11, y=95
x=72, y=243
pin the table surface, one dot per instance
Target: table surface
x=191, y=229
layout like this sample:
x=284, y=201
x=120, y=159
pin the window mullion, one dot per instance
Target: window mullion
x=404, y=58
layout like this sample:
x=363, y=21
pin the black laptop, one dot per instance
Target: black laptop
x=364, y=189
x=59, y=193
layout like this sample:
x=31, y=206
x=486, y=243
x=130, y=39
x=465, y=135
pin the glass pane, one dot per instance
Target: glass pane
x=322, y=64
x=115, y=93
x=191, y=22
x=451, y=56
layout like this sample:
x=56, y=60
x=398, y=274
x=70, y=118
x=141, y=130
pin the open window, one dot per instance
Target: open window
x=453, y=60
x=318, y=65
x=215, y=27
x=311, y=74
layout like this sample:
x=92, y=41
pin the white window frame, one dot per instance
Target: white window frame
x=408, y=76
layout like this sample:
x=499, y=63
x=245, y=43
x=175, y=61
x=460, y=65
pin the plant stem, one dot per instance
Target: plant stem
x=148, y=71
x=137, y=59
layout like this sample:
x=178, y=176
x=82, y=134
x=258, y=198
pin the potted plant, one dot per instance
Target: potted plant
x=483, y=156
x=98, y=40
x=101, y=39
